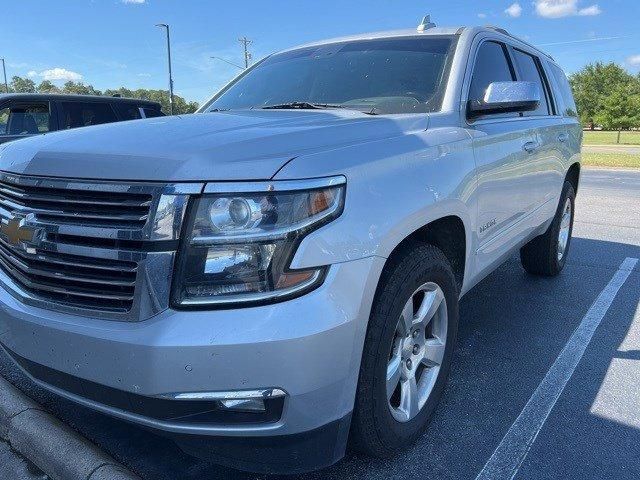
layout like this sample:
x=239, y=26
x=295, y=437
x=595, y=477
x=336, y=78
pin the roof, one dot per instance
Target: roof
x=415, y=33
x=61, y=96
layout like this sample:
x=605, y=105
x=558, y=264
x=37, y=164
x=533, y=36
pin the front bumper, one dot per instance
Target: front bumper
x=310, y=347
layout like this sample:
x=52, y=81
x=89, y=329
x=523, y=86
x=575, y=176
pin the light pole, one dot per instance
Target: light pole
x=227, y=61
x=4, y=71
x=166, y=27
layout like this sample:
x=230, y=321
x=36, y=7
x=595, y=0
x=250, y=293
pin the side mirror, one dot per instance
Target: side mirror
x=506, y=97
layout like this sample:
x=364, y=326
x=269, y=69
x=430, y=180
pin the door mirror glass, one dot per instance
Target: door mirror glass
x=507, y=97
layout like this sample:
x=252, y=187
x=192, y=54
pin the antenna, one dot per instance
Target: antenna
x=426, y=24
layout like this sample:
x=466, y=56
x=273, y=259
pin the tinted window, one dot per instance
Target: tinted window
x=384, y=76
x=152, y=112
x=491, y=66
x=127, y=111
x=81, y=114
x=570, y=109
x=22, y=118
x=529, y=72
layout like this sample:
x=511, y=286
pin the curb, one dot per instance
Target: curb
x=52, y=446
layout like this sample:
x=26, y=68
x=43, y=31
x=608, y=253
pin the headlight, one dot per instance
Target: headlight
x=240, y=240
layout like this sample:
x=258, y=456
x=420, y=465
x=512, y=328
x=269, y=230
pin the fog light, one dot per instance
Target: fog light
x=245, y=405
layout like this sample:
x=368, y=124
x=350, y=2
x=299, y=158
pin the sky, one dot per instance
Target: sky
x=113, y=43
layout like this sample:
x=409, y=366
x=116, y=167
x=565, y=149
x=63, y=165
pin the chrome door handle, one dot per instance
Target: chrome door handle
x=530, y=147
x=563, y=137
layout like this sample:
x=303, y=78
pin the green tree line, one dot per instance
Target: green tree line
x=27, y=85
x=607, y=96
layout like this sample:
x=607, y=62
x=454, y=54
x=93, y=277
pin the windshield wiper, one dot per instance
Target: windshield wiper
x=312, y=106
x=302, y=105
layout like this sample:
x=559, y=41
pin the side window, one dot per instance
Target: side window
x=127, y=111
x=84, y=114
x=530, y=72
x=4, y=120
x=152, y=112
x=21, y=118
x=570, y=109
x=492, y=65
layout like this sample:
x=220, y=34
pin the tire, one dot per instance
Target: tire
x=379, y=426
x=544, y=255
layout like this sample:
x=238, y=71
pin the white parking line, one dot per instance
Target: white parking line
x=513, y=449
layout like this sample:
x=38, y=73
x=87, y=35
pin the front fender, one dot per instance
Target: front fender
x=394, y=187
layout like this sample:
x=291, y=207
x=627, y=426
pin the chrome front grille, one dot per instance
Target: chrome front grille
x=101, y=249
x=83, y=207
x=72, y=280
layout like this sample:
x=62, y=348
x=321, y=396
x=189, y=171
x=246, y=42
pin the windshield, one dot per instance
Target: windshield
x=399, y=75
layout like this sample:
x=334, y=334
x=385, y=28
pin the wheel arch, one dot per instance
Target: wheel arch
x=448, y=234
x=573, y=176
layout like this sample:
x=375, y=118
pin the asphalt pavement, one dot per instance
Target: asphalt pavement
x=513, y=328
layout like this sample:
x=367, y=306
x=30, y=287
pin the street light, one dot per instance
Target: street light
x=4, y=71
x=166, y=27
x=227, y=61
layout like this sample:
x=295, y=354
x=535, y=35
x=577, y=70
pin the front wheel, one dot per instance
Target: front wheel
x=546, y=254
x=407, y=352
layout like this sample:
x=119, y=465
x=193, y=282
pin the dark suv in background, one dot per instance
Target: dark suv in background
x=25, y=114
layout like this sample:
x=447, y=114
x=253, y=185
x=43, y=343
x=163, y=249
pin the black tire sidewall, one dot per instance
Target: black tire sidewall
x=392, y=434
x=567, y=192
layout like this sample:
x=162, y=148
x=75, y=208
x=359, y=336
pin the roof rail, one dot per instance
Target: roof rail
x=505, y=32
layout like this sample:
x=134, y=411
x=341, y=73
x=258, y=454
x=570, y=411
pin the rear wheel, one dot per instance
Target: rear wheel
x=407, y=352
x=546, y=254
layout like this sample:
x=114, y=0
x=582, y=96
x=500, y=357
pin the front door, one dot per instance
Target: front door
x=505, y=149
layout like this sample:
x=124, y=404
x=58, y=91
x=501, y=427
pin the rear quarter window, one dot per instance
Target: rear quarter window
x=569, y=105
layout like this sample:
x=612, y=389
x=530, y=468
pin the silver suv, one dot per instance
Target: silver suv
x=279, y=274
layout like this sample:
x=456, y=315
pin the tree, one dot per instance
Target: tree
x=22, y=85
x=180, y=105
x=594, y=83
x=47, y=87
x=620, y=109
x=79, y=88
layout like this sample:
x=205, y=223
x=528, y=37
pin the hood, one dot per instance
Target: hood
x=241, y=145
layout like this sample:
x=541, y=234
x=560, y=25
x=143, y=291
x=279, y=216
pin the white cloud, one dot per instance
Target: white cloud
x=590, y=11
x=514, y=10
x=134, y=2
x=145, y=75
x=57, y=73
x=482, y=15
x=634, y=60
x=564, y=8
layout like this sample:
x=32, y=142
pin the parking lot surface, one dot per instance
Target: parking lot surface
x=513, y=327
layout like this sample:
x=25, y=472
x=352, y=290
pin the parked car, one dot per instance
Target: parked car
x=279, y=274
x=26, y=114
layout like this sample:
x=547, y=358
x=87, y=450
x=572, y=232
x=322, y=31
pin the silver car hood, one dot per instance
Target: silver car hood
x=241, y=145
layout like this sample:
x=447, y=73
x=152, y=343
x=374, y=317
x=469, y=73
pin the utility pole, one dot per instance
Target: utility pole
x=4, y=71
x=166, y=27
x=247, y=56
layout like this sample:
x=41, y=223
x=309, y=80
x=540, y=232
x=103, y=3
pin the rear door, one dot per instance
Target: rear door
x=549, y=134
x=22, y=118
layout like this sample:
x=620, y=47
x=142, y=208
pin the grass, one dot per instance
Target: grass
x=609, y=138
x=623, y=160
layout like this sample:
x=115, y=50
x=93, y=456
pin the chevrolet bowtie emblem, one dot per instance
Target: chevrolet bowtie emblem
x=16, y=231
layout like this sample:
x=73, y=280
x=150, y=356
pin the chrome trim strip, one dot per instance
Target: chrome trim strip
x=229, y=395
x=274, y=185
